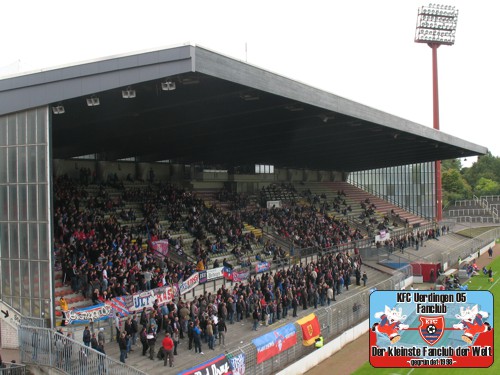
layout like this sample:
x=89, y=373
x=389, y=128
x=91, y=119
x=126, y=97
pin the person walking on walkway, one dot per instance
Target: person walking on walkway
x=364, y=278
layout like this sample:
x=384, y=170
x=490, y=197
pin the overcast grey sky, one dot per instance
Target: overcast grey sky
x=359, y=49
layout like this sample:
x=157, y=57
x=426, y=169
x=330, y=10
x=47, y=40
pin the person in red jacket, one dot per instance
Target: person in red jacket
x=168, y=347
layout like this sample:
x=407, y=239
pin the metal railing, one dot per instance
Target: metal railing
x=334, y=320
x=465, y=248
x=13, y=369
x=47, y=348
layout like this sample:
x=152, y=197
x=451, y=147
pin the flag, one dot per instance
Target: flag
x=310, y=329
x=227, y=273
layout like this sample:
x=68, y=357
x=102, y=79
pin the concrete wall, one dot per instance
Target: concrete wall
x=318, y=356
x=8, y=336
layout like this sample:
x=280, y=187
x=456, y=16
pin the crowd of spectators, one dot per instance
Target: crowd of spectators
x=264, y=299
x=105, y=248
x=304, y=225
x=414, y=239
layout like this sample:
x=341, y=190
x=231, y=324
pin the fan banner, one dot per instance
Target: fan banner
x=215, y=366
x=310, y=329
x=275, y=342
x=431, y=328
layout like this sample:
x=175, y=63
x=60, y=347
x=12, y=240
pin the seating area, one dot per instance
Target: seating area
x=482, y=210
x=286, y=193
x=104, y=232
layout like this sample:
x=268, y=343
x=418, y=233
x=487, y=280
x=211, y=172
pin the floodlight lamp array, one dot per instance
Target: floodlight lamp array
x=436, y=24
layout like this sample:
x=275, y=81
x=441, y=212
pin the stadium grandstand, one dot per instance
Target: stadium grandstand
x=188, y=177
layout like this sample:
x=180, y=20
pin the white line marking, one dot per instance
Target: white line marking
x=492, y=285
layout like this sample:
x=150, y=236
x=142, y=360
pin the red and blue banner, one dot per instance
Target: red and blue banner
x=275, y=342
x=160, y=247
x=227, y=273
x=262, y=267
x=189, y=284
x=215, y=366
x=89, y=314
x=240, y=275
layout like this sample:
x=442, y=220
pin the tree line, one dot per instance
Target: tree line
x=482, y=178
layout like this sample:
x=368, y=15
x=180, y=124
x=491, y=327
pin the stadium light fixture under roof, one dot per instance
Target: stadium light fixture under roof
x=168, y=85
x=93, y=101
x=58, y=109
x=128, y=93
x=436, y=23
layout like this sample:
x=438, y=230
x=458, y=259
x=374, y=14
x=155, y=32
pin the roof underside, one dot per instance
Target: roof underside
x=224, y=112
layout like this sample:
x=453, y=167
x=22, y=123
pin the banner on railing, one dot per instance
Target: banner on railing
x=237, y=364
x=310, y=329
x=241, y=275
x=119, y=305
x=262, y=267
x=214, y=273
x=189, y=284
x=202, y=277
x=146, y=299
x=227, y=273
x=160, y=247
x=215, y=366
x=275, y=342
x=98, y=312
x=89, y=314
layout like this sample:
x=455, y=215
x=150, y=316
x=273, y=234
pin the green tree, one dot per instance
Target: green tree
x=455, y=187
x=487, y=166
x=486, y=186
x=451, y=164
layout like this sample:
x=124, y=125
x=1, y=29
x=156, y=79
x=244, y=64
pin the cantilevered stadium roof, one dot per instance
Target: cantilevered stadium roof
x=193, y=105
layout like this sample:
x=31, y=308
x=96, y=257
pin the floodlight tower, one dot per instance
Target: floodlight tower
x=436, y=25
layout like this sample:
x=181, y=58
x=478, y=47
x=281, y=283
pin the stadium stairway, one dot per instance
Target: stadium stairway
x=75, y=300
x=383, y=207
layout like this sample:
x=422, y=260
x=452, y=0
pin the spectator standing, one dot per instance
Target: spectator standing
x=190, y=334
x=64, y=308
x=117, y=326
x=93, y=342
x=151, y=343
x=330, y=295
x=86, y=336
x=122, y=343
x=365, y=278
x=135, y=329
x=197, y=339
x=175, y=339
x=223, y=330
x=255, y=316
x=100, y=337
x=144, y=340
x=210, y=335
x=490, y=252
x=168, y=346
